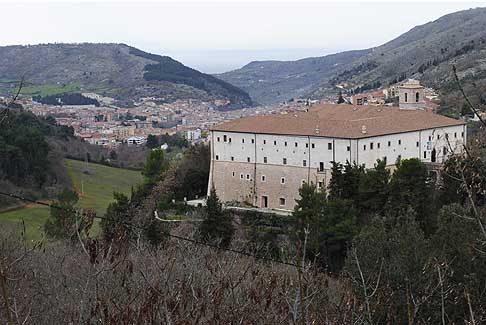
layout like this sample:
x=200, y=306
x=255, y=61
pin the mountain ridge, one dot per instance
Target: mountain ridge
x=425, y=52
x=113, y=69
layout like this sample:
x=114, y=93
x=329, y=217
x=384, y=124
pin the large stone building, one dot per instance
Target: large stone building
x=264, y=160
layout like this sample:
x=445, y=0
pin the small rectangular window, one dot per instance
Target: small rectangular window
x=232, y=158
x=418, y=144
x=371, y=145
x=378, y=145
x=313, y=145
x=462, y=134
x=282, y=201
x=389, y=143
x=233, y=174
x=425, y=154
x=304, y=163
x=229, y=140
x=252, y=140
x=430, y=138
x=219, y=140
x=296, y=144
x=263, y=178
x=447, y=135
x=264, y=160
x=274, y=143
x=248, y=159
x=242, y=140
x=248, y=176
x=217, y=157
x=364, y=147
x=282, y=180
x=438, y=136
x=399, y=142
x=319, y=184
x=348, y=148
x=455, y=135
x=284, y=161
x=225, y=138
x=307, y=145
x=329, y=146
x=264, y=141
x=285, y=143
x=241, y=176
x=321, y=166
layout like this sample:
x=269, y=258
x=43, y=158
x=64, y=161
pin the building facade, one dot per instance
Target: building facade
x=264, y=160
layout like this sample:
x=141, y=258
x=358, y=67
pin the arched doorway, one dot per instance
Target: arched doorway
x=433, y=157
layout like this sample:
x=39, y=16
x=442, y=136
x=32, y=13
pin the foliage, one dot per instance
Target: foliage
x=152, y=141
x=155, y=166
x=388, y=265
x=217, y=225
x=473, y=169
x=345, y=180
x=24, y=148
x=65, y=222
x=326, y=225
x=410, y=188
x=373, y=190
x=66, y=99
x=114, y=223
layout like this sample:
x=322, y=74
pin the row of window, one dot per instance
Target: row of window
x=296, y=144
x=263, y=179
x=329, y=145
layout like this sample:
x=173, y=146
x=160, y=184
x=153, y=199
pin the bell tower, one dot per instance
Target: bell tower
x=411, y=95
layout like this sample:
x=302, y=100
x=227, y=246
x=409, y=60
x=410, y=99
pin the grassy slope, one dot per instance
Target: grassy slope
x=99, y=186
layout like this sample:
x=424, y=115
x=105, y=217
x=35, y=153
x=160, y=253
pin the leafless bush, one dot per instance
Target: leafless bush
x=181, y=284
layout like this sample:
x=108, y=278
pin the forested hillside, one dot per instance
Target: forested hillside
x=115, y=70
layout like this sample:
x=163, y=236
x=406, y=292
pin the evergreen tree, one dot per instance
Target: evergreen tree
x=373, y=190
x=116, y=217
x=345, y=180
x=410, y=188
x=152, y=141
x=336, y=183
x=393, y=257
x=64, y=220
x=306, y=215
x=217, y=226
x=155, y=166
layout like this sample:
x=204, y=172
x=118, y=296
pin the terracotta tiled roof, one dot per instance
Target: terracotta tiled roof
x=341, y=121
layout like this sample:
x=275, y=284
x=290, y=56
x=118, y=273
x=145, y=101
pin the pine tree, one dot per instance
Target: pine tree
x=217, y=226
x=155, y=166
x=64, y=220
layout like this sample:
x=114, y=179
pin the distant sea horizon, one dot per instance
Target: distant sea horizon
x=215, y=61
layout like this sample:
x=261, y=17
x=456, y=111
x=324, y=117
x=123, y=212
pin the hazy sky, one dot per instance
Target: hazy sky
x=220, y=35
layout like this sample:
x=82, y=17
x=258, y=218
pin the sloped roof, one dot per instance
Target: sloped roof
x=341, y=121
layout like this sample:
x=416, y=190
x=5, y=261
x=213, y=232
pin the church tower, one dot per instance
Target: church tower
x=411, y=95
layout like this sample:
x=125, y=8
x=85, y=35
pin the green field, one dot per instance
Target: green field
x=95, y=190
x=47, y=90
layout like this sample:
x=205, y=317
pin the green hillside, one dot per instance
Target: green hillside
x=98, y=186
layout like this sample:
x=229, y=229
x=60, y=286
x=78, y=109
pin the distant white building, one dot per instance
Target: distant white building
x=194, y=135
x=136, y=140
x=165, y=146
